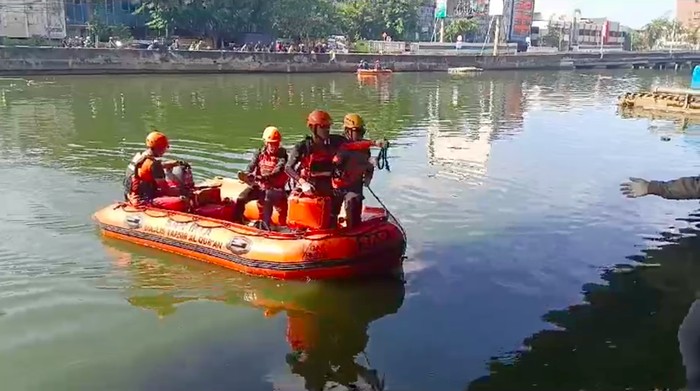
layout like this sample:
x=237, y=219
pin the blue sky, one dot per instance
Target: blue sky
x=632, y=13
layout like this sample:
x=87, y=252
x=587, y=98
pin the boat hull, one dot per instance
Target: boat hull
x=374, y=248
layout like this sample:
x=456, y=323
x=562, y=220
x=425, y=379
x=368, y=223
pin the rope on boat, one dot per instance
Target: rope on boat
x=383, y=158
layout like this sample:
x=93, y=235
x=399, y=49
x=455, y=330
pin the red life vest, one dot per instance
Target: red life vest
x=350, y=168
x=266, y=165
x=135, y=186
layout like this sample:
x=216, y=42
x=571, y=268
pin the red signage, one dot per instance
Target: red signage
x=521, y=22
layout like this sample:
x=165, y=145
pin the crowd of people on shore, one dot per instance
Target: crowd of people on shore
x=199, y=44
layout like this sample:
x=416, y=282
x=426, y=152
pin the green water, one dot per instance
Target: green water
x=505, y=182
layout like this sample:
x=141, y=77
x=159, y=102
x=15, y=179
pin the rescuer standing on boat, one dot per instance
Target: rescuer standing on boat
x=145, y=183
x=314, y=156
x=686, y=188
x=353, y=170
x=266, y=177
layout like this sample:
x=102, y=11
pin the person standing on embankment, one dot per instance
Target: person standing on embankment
x=686, y=188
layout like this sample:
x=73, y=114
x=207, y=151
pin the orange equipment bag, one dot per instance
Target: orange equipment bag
x=308, y=212
x=207, y=195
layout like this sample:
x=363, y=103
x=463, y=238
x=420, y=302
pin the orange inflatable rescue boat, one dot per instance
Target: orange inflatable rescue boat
x=300, y=250
x=374, y=72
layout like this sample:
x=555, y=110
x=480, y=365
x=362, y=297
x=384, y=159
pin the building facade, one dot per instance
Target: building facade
x=32, y=18
x=688, y=13
x=580, y=33
x=109, y=12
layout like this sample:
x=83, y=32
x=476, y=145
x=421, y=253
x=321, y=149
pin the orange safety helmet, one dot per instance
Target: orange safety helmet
x=271, y=135
x=157, y=140
x=319, y=118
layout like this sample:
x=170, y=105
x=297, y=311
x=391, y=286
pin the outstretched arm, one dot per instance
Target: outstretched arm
x=686, y=188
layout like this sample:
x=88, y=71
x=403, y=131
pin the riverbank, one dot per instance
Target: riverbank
x=45, y=60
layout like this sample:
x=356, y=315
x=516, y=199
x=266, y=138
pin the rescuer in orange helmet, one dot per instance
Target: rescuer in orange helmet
x=144, y=180
x=266, y=178
x=311, y=160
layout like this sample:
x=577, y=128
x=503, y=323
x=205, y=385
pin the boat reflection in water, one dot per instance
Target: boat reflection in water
x=327, y=321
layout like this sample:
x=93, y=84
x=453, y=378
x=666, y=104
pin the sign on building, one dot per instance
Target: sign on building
x=440, y=9
x=520, y=14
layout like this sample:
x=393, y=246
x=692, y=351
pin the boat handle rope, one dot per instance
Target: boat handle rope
x=298, y=234
x=383, y=158
x=383, y=164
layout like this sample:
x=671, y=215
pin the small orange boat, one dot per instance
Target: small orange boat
x=302, y=250
x=374, y=72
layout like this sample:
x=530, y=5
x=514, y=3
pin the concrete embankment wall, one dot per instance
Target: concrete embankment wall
x=42, y=60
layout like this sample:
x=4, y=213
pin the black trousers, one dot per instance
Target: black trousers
x=268, y=198
x=352, y=198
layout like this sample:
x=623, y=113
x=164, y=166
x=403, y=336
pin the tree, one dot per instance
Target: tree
x=655, y=31
x=303, y=19
x=370, y=18
x=463, y=27
x=554, y=36
x=209, y=18
x=693, y=36
x=636, y=38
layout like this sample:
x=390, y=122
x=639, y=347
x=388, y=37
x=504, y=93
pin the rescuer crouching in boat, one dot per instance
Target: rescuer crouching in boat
x=266, y=178
x=353, y=170
x=145, y=180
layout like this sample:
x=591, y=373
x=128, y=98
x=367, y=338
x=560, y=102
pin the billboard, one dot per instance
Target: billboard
x=518, y=19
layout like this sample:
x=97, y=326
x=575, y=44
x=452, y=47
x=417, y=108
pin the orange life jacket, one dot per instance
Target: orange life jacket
x=318, y=163
x=266, y=165
x=134, y=185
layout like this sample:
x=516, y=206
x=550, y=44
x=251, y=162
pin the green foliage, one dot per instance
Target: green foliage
x=637, y=40
x=299, y=19
x=303, y=19
x=370, y=18
x=121, y=31
x=103, y=31
x=463, y=27
x=661, y=29
x=97, y=28
x=554, y=36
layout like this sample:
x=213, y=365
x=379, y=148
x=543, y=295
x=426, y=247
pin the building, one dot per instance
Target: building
x=477, y=10
x=579, y=33
x=109, y=12
x=32, y=18
x=688, y=13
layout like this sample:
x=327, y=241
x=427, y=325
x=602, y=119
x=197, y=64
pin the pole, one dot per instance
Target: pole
x=496, y=36
x=673, y=37
x=442, y=30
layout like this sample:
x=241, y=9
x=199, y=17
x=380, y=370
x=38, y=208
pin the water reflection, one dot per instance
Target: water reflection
x=486, y=111
x=680, y=122
x=326, y=323
x=632, y=320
